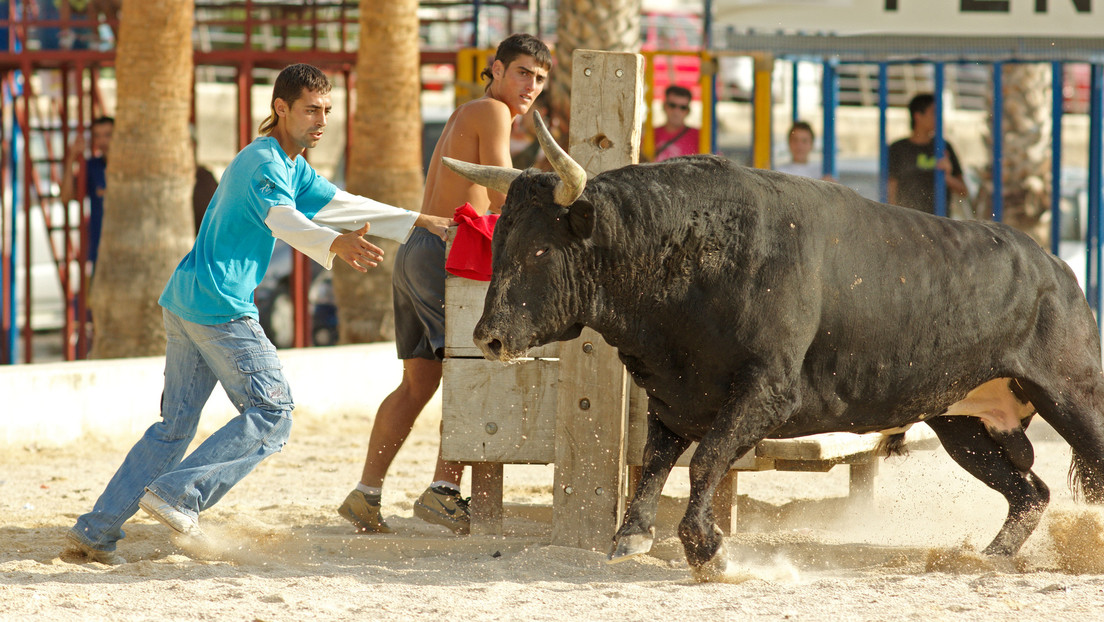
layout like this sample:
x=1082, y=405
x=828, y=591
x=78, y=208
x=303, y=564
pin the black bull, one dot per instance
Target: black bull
x=751, y=304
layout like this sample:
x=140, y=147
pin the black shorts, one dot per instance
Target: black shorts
x=419, y=292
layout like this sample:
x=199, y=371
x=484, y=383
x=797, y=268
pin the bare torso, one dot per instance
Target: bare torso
x=478, y=132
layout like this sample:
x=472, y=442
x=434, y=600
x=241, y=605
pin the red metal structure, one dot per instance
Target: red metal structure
x=49, y=75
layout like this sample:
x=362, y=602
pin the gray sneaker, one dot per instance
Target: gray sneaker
x=111, y=558
x=442, y=506
x=364, y=513
x=169, y=516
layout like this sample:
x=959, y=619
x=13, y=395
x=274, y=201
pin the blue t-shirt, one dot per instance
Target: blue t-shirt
x=214, y=282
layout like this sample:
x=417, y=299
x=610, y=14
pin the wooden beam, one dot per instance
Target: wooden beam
x=486, y=502
x=607, y=114
x=498, y=413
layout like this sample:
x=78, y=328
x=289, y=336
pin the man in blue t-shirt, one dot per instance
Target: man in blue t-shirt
x=95, y=176
x=267, y=192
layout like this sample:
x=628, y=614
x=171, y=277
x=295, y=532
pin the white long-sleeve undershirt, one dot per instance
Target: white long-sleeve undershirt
x=347, y=212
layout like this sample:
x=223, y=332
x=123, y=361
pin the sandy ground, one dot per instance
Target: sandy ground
x=281, y=552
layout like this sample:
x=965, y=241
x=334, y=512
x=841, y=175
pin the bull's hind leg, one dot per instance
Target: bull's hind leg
x=661, y=450
x=1004, y=466
x=1074, y=412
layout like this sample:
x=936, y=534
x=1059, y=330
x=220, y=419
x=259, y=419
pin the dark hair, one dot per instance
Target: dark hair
x=289, y=87
x=680, y=91
x=802, y=125
x=518, y=44
x=919, y=105
x=105, y=120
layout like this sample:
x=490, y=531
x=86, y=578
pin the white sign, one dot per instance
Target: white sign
x=1007, y=18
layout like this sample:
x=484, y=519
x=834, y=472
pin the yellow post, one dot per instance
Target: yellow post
x=708, y=101
x=647, y=144
x=470, y=62
x=761, y=112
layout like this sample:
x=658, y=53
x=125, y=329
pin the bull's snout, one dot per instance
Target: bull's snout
x=490, y=345
x=491, y=348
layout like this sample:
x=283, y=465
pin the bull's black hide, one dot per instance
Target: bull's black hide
x=752, y=304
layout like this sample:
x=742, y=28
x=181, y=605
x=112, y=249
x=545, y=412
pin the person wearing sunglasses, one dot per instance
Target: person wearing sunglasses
x=675, y=138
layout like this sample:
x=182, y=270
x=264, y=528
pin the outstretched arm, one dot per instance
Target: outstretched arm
x=349, y=211
x=322, y=244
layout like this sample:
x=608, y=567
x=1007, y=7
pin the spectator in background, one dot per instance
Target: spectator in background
x=95, y=178
x=675, y=138
x=81, y=37
x=912, y=162
x=801, y=140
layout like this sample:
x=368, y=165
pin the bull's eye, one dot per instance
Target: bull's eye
x=541, y=252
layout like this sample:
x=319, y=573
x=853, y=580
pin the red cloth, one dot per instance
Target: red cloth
x=470, y=256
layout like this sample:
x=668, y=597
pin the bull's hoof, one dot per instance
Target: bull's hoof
x=631, y=546
x=714, y=569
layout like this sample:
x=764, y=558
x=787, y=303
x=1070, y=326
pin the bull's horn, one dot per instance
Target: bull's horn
x=496, y=178
x=572, y=176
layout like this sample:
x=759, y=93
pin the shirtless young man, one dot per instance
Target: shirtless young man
x=478, y=132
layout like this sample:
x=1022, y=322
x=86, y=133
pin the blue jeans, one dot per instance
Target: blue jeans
x=238, y=355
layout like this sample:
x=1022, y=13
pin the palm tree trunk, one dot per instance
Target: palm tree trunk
x=147, y=223
x=1026, y=163
x=609, y=25
x=385, y=161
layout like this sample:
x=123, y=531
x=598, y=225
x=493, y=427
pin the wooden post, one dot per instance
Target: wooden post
x=486, y=499
x=607, y=113
x=861, y=483
x=724, y=503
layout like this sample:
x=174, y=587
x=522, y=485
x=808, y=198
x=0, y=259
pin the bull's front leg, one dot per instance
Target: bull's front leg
x=661, y=450
x=754, y=408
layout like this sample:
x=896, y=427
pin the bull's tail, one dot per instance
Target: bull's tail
x=892, y=445
x=1086, y=480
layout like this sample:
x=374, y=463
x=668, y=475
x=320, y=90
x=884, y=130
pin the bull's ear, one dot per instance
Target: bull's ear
x=580, y=217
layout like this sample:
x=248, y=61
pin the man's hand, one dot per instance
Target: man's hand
x=437, y=225
x=356, y=251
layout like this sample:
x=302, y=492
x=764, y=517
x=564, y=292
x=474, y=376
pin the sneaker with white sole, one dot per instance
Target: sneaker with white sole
x=169, y=516
x=111, y=558
x=445, y=507
x=364, y=513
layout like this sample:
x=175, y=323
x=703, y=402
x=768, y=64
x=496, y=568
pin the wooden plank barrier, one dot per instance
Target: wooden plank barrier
x=495, y=414
x=572, y=403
